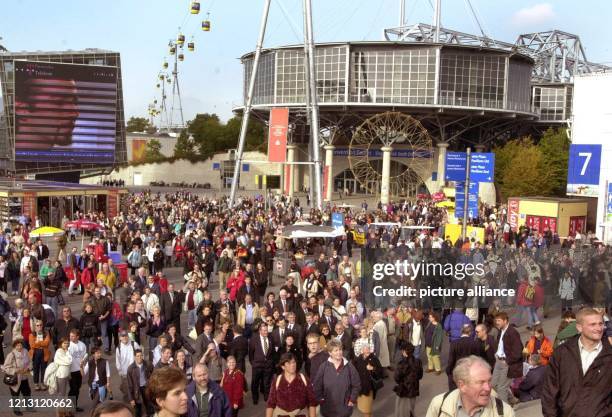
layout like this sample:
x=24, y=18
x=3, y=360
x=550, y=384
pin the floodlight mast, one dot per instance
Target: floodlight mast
x=249, y=103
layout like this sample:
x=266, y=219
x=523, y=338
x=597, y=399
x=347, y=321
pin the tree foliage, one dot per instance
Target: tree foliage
x=524, y=168
x=185, y=147
x=554, y=146
x=211, y=136
x=138, y=124
x=153, y=151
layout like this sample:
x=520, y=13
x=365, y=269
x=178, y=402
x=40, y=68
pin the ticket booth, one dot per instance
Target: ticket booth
x=565, y=216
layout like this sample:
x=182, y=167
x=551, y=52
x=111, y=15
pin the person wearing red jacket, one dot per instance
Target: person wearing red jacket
x=89, y=274
x=530, y=293
x=234, y=283
x=233, y=383
x=161, y=280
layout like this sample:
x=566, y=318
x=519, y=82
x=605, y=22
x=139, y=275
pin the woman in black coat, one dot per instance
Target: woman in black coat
x=371, y=374
x=407, y=375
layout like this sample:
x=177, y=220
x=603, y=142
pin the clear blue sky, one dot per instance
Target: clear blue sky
x=211, y=78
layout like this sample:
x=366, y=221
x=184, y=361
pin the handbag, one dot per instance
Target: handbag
x=10, y=380
x=377, y=384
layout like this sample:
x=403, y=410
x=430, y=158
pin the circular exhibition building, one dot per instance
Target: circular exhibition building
x=413, y=100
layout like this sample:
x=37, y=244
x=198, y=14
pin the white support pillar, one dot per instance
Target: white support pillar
x=386, y=174
x=442, y=148
x=328, y=174
x=290, y=169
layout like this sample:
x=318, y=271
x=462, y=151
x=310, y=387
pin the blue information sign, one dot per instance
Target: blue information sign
x=584, y=167
x=472, y=201
x=337, y=220
x=455, y=166
x=482, y=167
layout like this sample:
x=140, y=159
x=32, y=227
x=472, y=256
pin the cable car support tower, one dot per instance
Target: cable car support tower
x=313, y=108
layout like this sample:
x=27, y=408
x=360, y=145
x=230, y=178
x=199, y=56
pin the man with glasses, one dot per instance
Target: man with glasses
x=315, y=356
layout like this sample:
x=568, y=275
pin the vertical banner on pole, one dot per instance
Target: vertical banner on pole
x=325, y=179
x=288, y=173
x=277, y=134
x=513, y=214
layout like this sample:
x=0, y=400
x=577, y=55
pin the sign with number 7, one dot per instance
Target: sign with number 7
x=584, y=169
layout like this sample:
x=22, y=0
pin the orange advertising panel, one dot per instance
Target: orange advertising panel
x=138, y=150
x=277, y=135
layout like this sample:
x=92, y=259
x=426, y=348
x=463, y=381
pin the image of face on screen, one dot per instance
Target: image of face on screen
x=46, y=113
x=65, y=112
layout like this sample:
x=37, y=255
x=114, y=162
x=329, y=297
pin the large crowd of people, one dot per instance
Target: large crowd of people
x=315, y=340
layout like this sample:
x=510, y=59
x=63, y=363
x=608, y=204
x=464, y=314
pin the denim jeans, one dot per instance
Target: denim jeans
x=104, y=333
x=39, y=365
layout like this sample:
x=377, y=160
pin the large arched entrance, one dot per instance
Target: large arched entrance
x=405, y=182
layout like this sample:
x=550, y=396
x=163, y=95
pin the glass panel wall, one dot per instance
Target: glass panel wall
x=472, y=79
x=402, y=76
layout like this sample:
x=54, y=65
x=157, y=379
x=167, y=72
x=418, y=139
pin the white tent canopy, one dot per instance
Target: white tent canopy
x=298, y=231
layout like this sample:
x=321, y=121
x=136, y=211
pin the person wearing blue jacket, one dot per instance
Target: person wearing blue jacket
x=202, y=392
x=454, y=322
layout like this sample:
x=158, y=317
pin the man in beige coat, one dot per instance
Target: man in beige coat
x=474, y=395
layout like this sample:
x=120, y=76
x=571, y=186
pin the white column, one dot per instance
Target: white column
x=442, y=147
x=386, y=173
x=328, y=174
x=291, y=170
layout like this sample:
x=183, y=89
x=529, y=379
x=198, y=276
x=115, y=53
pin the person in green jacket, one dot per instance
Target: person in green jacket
x=434, y=335
x=567, y=329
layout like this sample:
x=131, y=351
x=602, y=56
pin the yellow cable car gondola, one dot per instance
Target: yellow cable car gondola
x=172, y=50
x=206, y=25
x=165, y=65
x=195, y=7
x=161, y=77
x=155, y=101
x=181, y=57
x=169, y=80
x=191, y=46
x=180, y=39
x=158, y=85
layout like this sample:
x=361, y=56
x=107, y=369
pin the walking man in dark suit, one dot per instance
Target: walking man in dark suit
x=170, y=304
x=260, y=356
x=239, y=348
x=463, y=347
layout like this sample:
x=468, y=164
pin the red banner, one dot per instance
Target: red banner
x=277, y=135
x=325, y=180
x=28, y=207
x=287, y=178
x=513, y=214
x=112, y=204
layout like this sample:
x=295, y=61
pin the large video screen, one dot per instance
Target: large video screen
x=65, y=113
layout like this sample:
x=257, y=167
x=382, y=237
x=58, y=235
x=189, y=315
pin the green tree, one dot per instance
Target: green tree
x=138, y=124
x=554, y=147
x=524, y=174
x=153, y=151
x=184, y=148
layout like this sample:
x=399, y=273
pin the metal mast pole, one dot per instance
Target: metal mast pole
x=437, y=14
x=314, y=126
x=249, y=101
x=402, y=11
x=468, y=161
x=307, y=74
